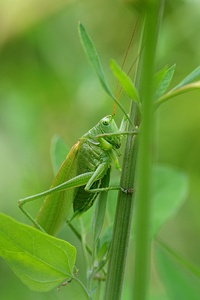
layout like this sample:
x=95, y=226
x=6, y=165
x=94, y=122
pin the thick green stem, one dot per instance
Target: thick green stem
x=122, y=226
x=143, y=203
x=124, y=210
x=123, y=217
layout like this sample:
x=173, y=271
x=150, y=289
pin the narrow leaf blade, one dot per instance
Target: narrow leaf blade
x=165, y=80
x=104, y=243
x=40, y=261
x=125, y=81
x=159, y=76
x=188, y=79
x=176, y=92
x=93, y=58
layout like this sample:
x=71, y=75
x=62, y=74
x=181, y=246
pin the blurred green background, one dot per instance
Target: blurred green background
x=48, y=88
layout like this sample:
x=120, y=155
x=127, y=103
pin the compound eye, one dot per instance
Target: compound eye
x=106, y=121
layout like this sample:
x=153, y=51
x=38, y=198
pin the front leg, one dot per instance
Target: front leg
x=99, y=173
x=77, y=181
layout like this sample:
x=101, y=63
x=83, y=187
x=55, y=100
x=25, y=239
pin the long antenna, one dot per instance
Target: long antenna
x=118, y=93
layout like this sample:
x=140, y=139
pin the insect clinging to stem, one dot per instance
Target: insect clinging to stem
x=81, y=176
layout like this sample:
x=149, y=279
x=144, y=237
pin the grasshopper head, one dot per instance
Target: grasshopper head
x=109, y=127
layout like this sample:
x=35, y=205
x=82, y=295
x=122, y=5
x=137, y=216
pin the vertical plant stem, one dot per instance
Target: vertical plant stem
x=122, y=226
x=142, y=203
x=123, y=217
x=124, y=210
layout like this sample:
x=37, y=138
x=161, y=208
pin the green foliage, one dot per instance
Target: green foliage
x=93, y=58
x=162, y=80
x=103, y=245
x=46, y=72
x=169, y=191
x=186, y=85
x=125, y=82
x=181, y=280
x=41, y=261
x=195, y=74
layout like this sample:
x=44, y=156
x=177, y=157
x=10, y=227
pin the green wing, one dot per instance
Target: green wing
x=57, y=206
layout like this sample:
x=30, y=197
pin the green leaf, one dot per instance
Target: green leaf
x=163, y=79
x=40, y=261
x=93, y=58
x=180, y=278
x=104, y=243
x=186, y=85
x=59, y=151
x=176, y=92
x=169, y=191
x=188, y=79
x=125, y=81
x=158, y=77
